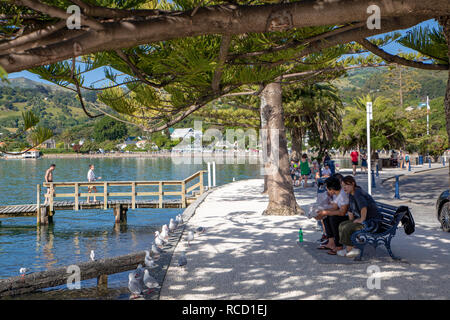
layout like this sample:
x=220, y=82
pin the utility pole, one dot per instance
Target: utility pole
x=369, y=164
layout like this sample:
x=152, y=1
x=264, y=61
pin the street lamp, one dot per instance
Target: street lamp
x=369, y=164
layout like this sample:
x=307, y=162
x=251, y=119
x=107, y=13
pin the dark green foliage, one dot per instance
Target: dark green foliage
x=109, y=129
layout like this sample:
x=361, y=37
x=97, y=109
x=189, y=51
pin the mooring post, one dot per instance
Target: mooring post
x=397, y=191
x=102, y=282
x=120, y=213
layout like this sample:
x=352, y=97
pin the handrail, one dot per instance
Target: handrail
x=133, y=193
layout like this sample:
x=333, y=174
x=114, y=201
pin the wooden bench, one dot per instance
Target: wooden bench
x=379, y=231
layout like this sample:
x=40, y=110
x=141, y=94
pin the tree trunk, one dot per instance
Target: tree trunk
x=297, y=141
x=445, y=22
x=279, y=182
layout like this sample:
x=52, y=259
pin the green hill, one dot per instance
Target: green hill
x=57, y=108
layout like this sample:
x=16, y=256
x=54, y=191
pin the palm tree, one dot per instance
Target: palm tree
x=315, y=109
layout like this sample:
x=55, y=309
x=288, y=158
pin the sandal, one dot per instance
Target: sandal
x=324, y=248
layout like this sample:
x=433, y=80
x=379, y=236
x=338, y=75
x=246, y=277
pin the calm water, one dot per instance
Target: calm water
x=75, y=233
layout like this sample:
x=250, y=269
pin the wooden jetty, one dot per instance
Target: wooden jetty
x=185, y=192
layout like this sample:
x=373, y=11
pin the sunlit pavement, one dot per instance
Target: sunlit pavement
x=245, y=255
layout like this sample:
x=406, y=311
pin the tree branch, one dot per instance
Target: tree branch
x=223, y=53
x=222, y=19
x=399, y=60
x=57, y=13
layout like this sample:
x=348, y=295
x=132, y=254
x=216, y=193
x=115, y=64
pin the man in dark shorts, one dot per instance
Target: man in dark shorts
x=49, y=178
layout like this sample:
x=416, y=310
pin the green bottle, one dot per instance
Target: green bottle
x=300, y=235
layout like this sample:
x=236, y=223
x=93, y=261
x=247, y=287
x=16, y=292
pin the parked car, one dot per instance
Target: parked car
x=443, y=210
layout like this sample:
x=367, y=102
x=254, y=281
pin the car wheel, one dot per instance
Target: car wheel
x=444, y=217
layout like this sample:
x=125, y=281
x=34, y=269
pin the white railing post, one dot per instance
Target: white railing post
x=214, y=173
x=209, y=175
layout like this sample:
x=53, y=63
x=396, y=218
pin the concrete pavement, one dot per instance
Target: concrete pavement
x=245, y=255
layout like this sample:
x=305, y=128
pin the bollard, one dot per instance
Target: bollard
x=377, y=170
x=409, y=165
x=429, y=162
x=397, y=191
x=373, y=180
x=443, y=161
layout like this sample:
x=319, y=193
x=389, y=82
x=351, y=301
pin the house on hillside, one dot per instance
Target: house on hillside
x=183, y=133
x=48, y=144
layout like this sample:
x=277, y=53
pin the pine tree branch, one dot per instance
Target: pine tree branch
x=399, y=60
x=58, y=13
x=223, y=53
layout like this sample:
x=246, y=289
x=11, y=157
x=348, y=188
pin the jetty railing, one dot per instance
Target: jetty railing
x=132, y=193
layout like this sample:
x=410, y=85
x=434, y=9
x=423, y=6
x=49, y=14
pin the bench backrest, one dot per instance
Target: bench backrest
x=389, y=215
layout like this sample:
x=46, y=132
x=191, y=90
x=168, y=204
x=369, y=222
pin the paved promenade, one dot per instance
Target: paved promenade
x=245, y=255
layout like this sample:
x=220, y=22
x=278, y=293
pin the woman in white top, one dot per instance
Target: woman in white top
x=91, y=178
x=334, y=216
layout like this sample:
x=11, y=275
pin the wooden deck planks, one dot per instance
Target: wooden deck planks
x=17, y=210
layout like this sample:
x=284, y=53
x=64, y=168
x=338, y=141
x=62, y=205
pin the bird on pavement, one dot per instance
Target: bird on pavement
x=158, y=241
x=190, y=237
x=134, y=285
x=164, y=233
x=182, y=260
x=200, y=230
x=150, y=282
x=148, y=261
x=172, y=225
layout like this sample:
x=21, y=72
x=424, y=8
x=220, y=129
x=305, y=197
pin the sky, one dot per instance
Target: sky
x=98, y=74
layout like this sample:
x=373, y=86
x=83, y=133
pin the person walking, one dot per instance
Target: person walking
x=91, y=178
x=354, y=157
x=304, y=170
x=49, y=178
x=363, y=162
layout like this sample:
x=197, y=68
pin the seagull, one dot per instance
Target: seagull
x=190, y=237
x=182, y=260
x=149, y=262
x=150, y=282
x=158, y=241
x=92, y=255
x=200, y=230
x=156, y=252
x=172, y=225
x=234, y=179
x=139, y=272
x=23, y=271
x=134, y=285
x=179, y=219
x=164, y=233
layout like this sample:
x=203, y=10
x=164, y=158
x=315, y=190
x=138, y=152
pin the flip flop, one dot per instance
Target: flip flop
x=332, y=252
x=323, y=248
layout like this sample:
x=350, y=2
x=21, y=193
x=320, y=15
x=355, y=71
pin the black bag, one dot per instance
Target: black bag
x=407, y=221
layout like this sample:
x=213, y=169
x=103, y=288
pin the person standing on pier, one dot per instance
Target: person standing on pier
x=91, y=178
x=49, y=178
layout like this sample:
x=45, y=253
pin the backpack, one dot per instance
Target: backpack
x=407, y=221
x=406, y=158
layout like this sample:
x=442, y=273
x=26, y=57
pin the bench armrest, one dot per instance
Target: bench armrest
x=371, y=225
